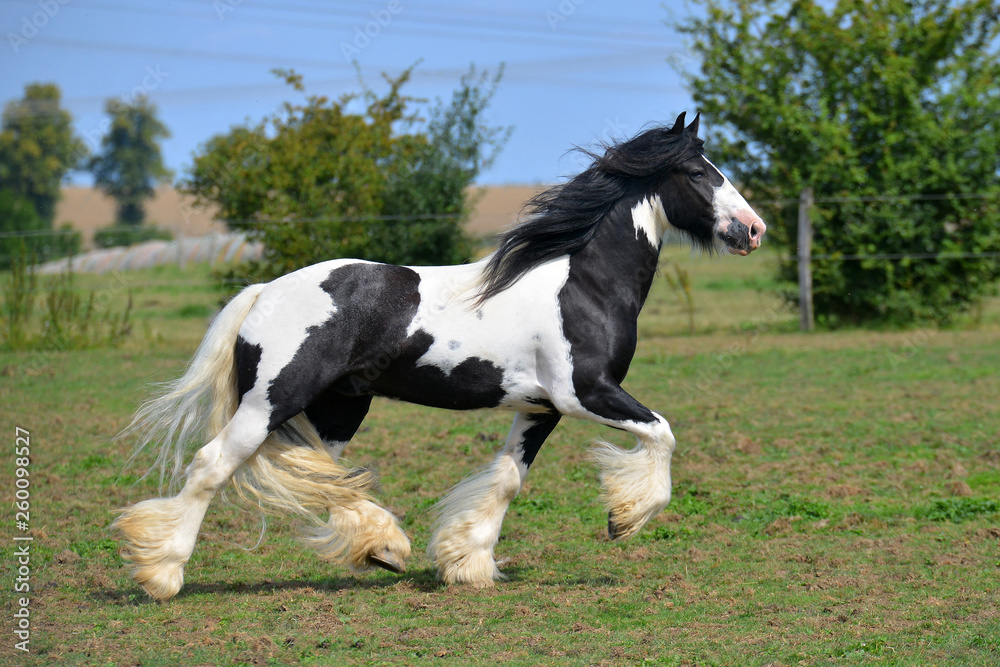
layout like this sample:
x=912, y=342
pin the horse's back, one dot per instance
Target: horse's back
x=417, y=334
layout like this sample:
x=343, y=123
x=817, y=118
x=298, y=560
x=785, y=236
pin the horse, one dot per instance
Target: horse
x=544, y=327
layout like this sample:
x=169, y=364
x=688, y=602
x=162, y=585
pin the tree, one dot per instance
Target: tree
x=317, y=182
x=38, y=148
x=19, y=219
x=888, y=107
x=130, y=162
x=25, y=237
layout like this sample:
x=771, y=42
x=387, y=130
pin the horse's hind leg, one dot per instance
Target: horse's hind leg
x=469, y=517
x=359, y=532
x=160, y=533
x=337, y=417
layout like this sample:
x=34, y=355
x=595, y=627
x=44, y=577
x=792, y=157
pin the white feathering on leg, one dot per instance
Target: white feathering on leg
x=636, y=482
x=468, y=523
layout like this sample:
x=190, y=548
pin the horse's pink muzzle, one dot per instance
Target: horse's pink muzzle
x=749, y=232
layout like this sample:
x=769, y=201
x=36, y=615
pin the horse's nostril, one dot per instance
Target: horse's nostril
x=757, y=230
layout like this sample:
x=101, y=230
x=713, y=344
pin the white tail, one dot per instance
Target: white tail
x=195, y=407
x=290, y=471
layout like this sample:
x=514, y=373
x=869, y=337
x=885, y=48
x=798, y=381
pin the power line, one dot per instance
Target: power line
x=524, y=72
x=194, y=53
x=457, y=216
x=454, y=14
x=402, y=24
x=450, y=11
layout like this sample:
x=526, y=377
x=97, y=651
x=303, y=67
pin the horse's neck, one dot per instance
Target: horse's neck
x=618, y=265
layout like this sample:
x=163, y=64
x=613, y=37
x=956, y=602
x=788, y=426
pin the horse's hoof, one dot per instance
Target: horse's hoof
x=614, y=531
x=387, y=561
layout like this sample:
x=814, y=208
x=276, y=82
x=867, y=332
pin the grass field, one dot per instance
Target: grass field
x=836, y=502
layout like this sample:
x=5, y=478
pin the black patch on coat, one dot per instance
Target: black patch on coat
x=688, y=198
x=337, y=417
x=607, y=286
x=473, y=384
x=541, y=402
x=363, y=350
x=246, y=358
x=535, y=435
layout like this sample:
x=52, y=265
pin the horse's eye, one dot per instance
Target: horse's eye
x=696, y=174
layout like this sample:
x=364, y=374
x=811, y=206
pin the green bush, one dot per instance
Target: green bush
x=123, y=235
x=23, y=233
x=319, y=181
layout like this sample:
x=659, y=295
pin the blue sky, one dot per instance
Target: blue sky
x=577, y=71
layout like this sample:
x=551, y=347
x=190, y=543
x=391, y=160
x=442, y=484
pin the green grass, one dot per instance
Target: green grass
x=835, y=503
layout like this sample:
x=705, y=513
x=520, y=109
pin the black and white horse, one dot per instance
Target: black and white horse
x=543, y=327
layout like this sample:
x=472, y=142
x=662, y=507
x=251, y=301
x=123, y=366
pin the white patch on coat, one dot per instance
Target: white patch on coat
x=282, y=316
x=518, y=330
x=649, y=218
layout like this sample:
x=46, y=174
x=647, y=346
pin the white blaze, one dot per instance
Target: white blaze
x=729, y=204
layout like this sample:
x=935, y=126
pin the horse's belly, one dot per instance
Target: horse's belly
x=467, y=383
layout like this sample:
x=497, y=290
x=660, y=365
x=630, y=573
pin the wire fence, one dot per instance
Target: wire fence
x=249, y=224
x=881, y=198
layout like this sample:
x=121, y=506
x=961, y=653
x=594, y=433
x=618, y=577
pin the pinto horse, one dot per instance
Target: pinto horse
x=543, y=327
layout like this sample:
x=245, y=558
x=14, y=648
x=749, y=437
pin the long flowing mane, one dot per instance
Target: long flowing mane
x=563, y=219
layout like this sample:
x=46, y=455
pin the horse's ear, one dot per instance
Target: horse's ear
x=678, y=125
x=693, y=127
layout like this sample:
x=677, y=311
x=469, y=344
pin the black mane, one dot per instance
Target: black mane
x=563, y=219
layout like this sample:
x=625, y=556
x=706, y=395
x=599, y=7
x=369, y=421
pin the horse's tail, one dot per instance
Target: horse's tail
x=291, y=470
x=196, y=406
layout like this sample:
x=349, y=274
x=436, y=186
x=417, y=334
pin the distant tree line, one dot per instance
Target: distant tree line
x=378, y=176
x=39, y=148
x=886, y=109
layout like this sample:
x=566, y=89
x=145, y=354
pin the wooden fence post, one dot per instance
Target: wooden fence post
x=181, y=257
x=805, y=254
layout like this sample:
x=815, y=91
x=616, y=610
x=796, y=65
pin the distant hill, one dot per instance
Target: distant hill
x=88, y=210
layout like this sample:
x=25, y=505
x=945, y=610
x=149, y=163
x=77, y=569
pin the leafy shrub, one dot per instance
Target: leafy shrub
x=24, y=233
x=318, y=181
x=126, y=235
x=887, y=110
x=57, y=315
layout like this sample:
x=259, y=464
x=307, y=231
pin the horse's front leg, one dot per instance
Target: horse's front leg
x=636, y=482
x=469, y=517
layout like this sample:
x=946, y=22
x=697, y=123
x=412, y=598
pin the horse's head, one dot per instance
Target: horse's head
x=699, y=200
